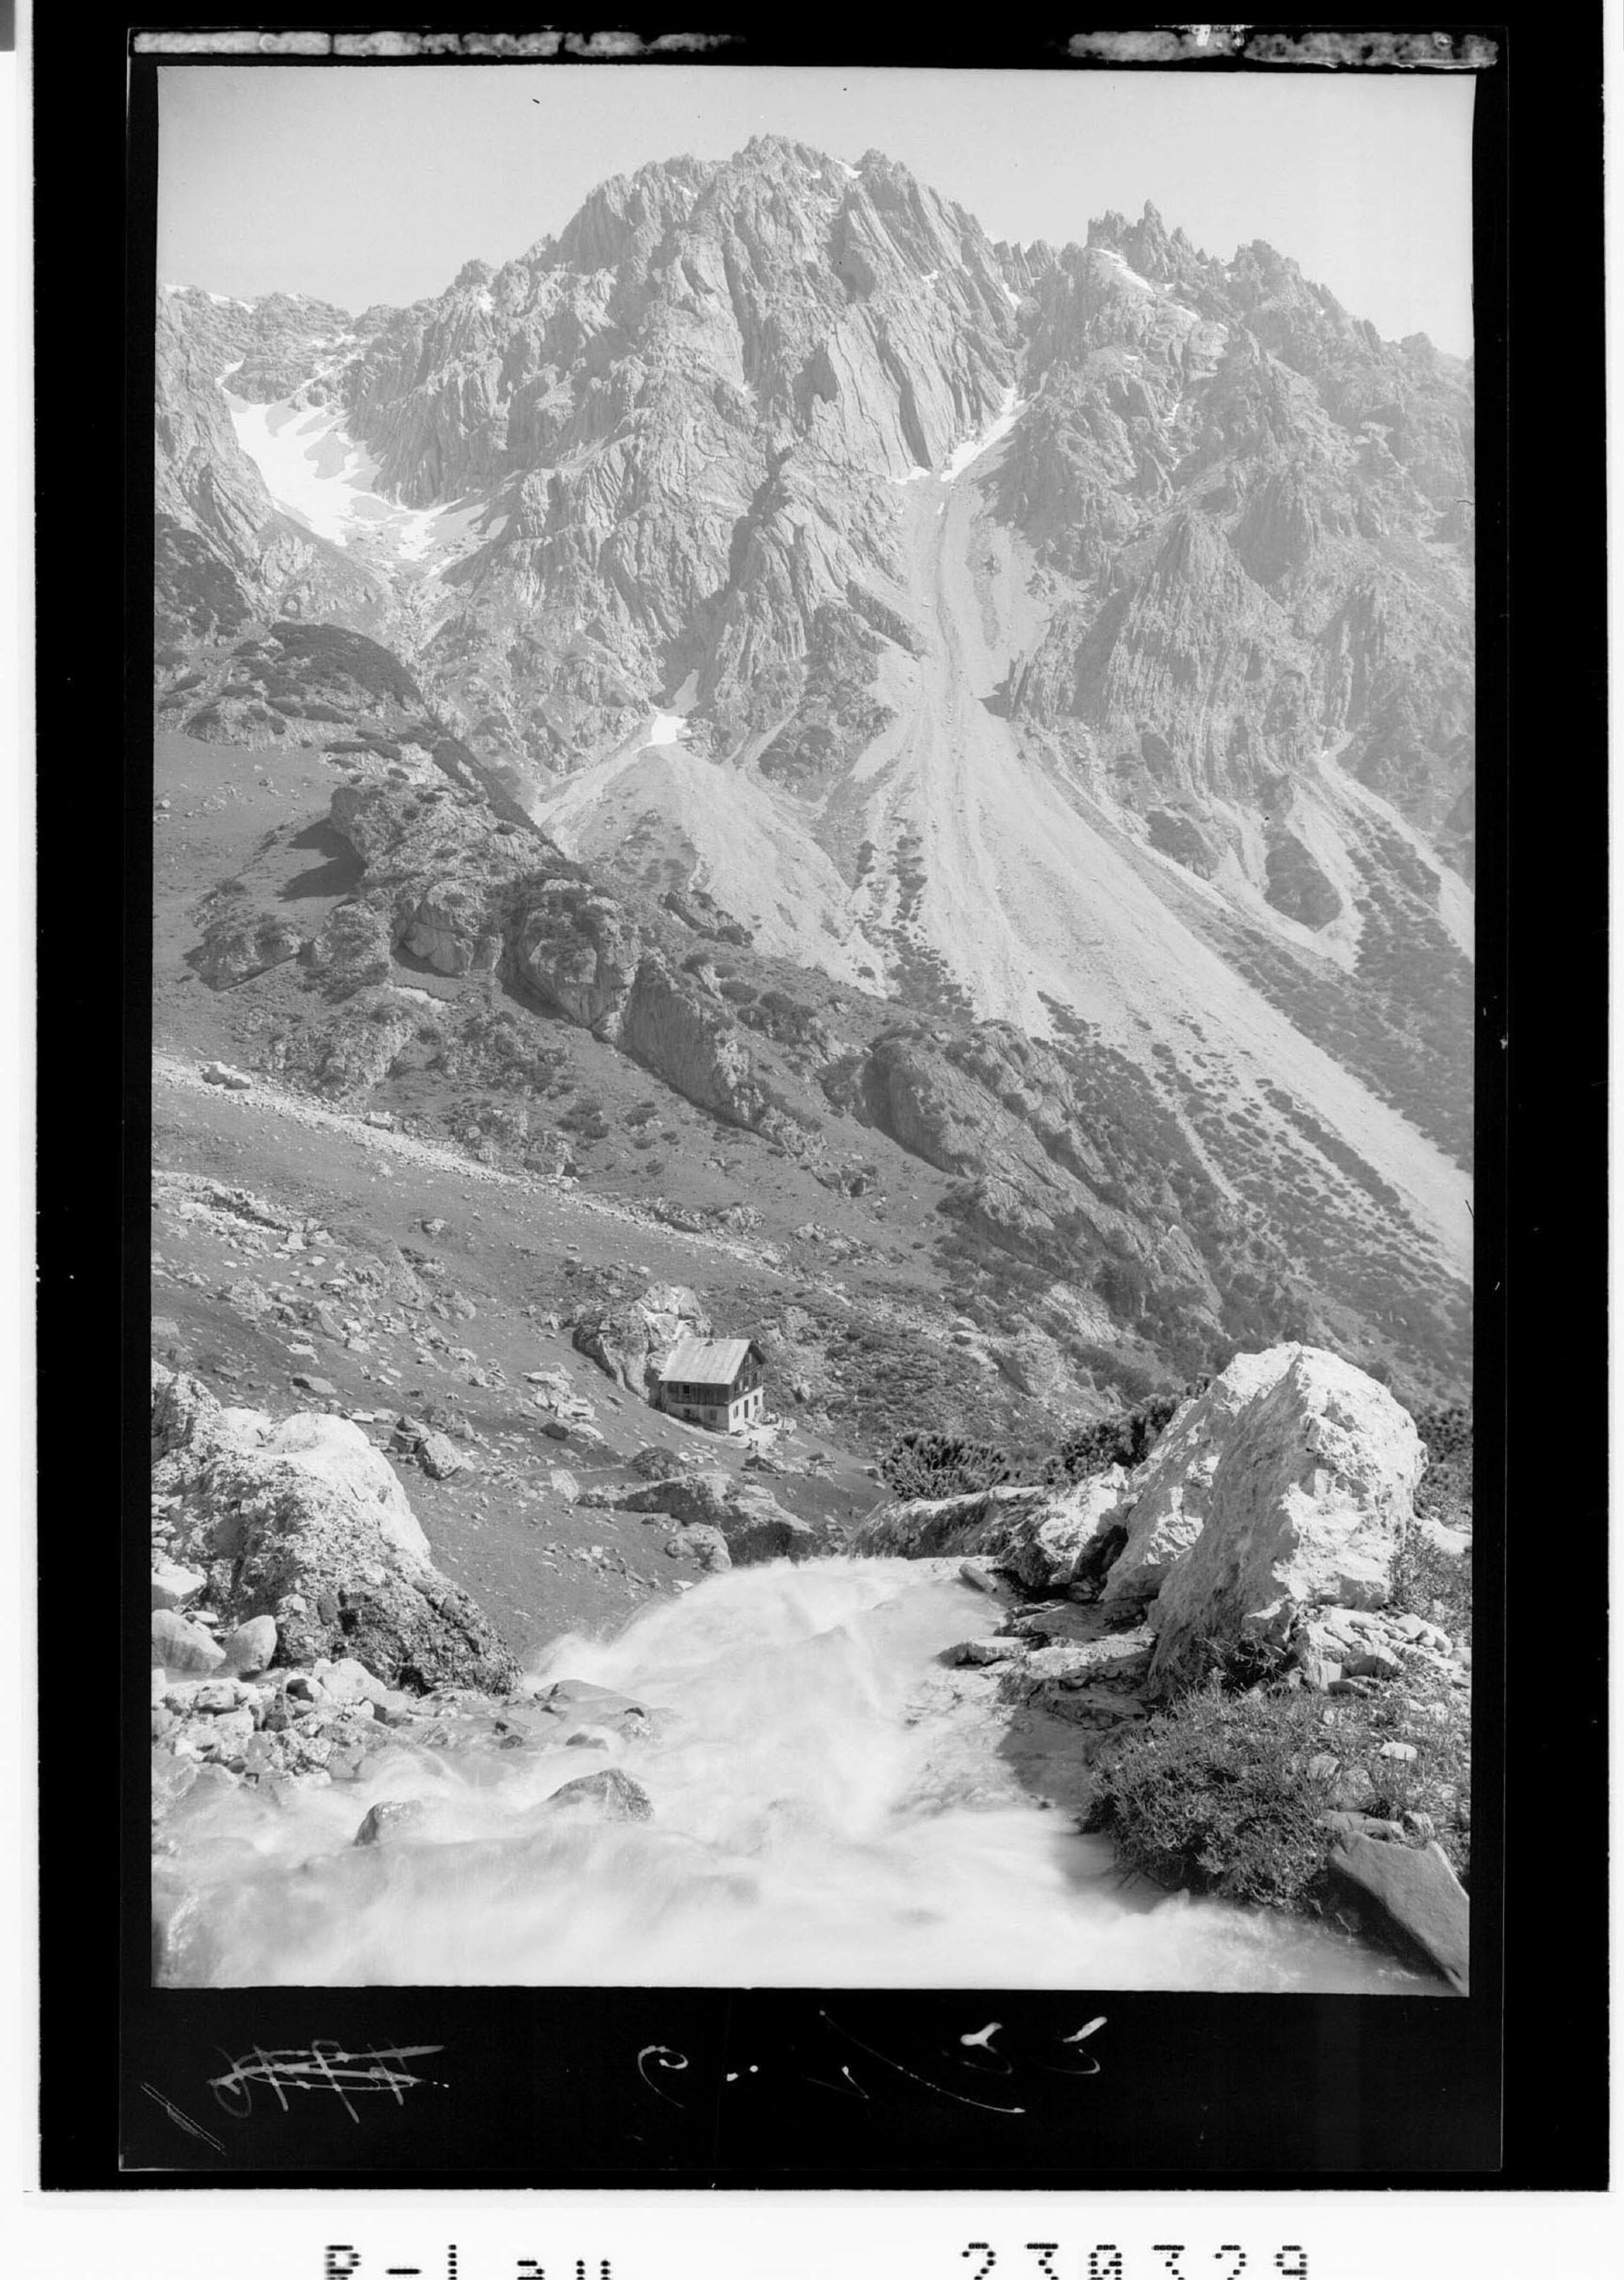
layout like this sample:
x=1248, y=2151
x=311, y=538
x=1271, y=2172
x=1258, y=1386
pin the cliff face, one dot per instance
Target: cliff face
x=1242, y=512
x=1070, y=646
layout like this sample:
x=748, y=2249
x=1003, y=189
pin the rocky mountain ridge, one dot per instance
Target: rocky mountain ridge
x=1070, y=647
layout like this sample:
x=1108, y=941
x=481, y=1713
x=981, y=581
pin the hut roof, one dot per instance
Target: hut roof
x=705, y=1362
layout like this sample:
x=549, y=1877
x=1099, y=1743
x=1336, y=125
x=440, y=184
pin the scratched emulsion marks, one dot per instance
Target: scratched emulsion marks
x=807, y=1797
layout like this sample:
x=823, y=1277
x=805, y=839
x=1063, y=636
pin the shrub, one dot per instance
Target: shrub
x=1222, y=1792
x=1211, y=1797
x=1432, y=1584
x=942, y=1465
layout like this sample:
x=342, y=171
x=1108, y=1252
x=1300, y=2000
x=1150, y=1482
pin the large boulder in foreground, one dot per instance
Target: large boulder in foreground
x=1304, y=1484
x=306, y=1523
x=1040, y=1535
x=1172, y=1489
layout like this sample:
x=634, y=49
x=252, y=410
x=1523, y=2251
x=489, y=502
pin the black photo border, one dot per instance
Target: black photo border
x=1505, y=2089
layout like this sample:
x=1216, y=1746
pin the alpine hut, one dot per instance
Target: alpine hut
x=714, y=1381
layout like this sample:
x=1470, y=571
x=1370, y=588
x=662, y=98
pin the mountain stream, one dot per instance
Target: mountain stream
x=832, y=1805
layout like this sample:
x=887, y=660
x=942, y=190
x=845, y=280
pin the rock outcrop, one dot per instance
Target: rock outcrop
x=752, y=1523
x=304, y=1523
x=1314, y=1476
x=629, y=1342
x=1038, y=1535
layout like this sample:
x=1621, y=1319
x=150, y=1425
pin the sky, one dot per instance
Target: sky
x=361, y=184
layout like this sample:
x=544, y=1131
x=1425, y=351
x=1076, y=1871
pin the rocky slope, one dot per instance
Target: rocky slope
x=1070, y=649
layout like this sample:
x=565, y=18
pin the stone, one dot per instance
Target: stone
x=1284, y=1486
x=612, y=1794
x=629, y=1341
x=1412, y=1898
x=1304, y=1469
x=173, y=1586
x=440, y=1457
x=232, y=1079
x=1378, y=1665
x=707, y=1545
x=323, y=1388
x=251, y=1647
x=229, y=1735
x=1033, y=1363
x=1345, y=1822
x=984, y=1651
x=584, y=1704
x=215, y=1695
x=752, y=1522
x=345, y=1680
x=564, y=1485
x=180, y=1645
x=390, y=1817
x=1403, y=1753
x=1039, y=1536
x=1321, y=1674
x=310, y=1524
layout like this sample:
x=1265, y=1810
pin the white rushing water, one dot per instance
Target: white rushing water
x=831, y=1807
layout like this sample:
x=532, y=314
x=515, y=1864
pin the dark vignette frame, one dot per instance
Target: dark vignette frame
x=544, y=2087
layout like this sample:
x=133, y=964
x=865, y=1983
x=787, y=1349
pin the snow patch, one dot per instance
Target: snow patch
x=995, y=430
x=1132, y=275
x=665, y=728
x=317, y=474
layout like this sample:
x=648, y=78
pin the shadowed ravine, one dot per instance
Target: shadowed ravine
x=831, y=1806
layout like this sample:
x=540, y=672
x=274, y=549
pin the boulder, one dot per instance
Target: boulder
x=1040, y=1535
x=628, y=1341
x=222, y=1073
x=1173, y=1488
x=752, y=1522
x=707, y=1545
x=756, y=1528
x=1033, y=1363
x=985, y=1649
x=252, y=1645
x=235, y=950
x=389, y=1818
x=306, y=1523
x=174, y=1586
x=180, y=1645
x=1411, y=1899
x=1303, y=1470
x=611, y=1795
x=439, y=1457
